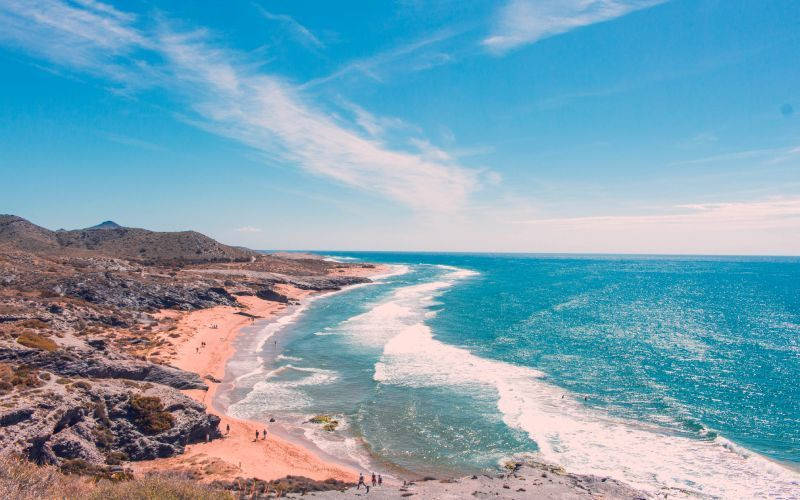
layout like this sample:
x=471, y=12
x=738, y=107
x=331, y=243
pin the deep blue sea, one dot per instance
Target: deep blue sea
x=665, y=372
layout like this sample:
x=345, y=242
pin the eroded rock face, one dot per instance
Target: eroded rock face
x=99, y=364
x=143, y=294
x=93, y=420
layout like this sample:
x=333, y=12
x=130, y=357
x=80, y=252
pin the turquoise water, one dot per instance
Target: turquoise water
x=664, y=372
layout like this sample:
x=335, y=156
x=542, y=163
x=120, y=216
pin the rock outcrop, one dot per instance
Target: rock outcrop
x=272, y=295
x=110, y=365
x=143, y=294
x=94, y=421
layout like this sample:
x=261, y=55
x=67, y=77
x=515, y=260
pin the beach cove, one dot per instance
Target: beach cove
x=204, y=342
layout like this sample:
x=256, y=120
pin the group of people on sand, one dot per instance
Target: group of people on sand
x=376, y=481
x=197, y=349
x=259, y=434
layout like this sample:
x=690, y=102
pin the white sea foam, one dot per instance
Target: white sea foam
x=281, y=395
x=337, y=444
x=325, y=333
x=582, y=439
x=273, y=327
x=338, y=258
x=394, y=270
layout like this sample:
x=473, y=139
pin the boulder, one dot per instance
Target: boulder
x=272, y=295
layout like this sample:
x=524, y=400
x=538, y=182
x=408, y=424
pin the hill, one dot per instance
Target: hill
x=19, y=234
x=111, y=240
x=109, y=224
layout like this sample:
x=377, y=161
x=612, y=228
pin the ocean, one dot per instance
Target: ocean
x=674, y=374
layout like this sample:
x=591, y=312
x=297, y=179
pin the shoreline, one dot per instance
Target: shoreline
x=238, y=455
x=203, y=342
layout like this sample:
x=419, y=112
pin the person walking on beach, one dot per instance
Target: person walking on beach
x=374, y=480
x=380, y=480
x=264, y=434
x=256, y=439
x=227, y=429
x=361, y=481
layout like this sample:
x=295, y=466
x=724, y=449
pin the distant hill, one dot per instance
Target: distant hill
x=109, y=224
x=112, y=240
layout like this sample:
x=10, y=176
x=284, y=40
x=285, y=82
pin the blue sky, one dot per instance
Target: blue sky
x=517, y=125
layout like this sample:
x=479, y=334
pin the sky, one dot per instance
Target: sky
x=585, y=126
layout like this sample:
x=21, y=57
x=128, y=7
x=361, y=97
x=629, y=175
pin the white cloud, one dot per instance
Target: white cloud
x=86, y=36
x=247, y=229
x=301, y=32
x=226, y=94
x=522, y=22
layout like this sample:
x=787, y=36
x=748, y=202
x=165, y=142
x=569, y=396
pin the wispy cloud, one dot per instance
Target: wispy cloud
x=225, y=93
x=247, y=229
x=761, y=213
x=303, y=34
x=522, y=22
x=757, y=227
x=131, y=141
x=772, y=155
x=84, y=35
x=417, y=55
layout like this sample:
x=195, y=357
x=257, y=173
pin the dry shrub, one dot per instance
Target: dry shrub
x=149, y=414
x=20, y=376
x=36, y=341
x=21, y=480
x=158, y=488
x=82, y=384
x=35, y=324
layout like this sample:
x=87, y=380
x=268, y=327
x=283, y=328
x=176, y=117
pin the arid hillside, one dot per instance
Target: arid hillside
x=111, y=240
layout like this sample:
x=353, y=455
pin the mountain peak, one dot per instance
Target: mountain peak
x=109, y=224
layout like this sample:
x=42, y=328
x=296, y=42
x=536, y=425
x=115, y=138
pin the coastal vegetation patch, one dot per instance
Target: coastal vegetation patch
x=149, y=415
x=36, y=341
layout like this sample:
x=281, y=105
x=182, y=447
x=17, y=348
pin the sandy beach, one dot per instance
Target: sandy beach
x=202, y=342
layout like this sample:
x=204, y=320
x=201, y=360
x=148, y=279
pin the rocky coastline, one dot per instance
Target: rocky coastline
x=90, y=331
x=83, y=383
